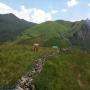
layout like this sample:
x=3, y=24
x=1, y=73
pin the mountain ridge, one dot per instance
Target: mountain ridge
x=11, y=27
x=60, y=32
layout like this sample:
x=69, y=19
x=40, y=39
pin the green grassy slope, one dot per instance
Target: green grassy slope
x=46, y=32
x=66, y=71
x=15, y=60
x=70, y=71
x=61, y=33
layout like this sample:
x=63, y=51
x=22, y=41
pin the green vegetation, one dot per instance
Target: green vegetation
x=46, y=32
x=62, y=33
x=67, y=71
x=11, y=27
x=15, y=60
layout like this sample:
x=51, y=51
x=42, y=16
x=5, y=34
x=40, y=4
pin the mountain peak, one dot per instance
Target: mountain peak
x=87, y=21
x=8, y=14
x=11, y=26
x=9, y=17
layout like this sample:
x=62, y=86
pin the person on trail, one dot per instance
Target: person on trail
x=35, y=47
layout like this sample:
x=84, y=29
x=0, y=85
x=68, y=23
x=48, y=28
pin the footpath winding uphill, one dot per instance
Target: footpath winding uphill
x=27, y=81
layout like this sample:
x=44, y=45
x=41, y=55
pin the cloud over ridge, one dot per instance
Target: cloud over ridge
x=29, y=14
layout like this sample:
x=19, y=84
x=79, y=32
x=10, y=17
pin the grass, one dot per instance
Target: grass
x=16, y=60
x=67, y=71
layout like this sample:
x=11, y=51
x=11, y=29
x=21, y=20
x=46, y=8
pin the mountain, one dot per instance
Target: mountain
x=61, y=33
x=11, y=27
x=51, y=33
x=47, y=34
x=88, y=21
x=81, y=34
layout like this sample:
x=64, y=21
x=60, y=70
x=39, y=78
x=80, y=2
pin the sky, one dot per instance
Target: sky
x=39, y=11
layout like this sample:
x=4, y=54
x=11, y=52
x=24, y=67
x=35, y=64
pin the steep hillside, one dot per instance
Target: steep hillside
x=88, y=21
x=81, y=34
x=46, y=32
x=11, y=27
x=60, y=33
x=51, y=33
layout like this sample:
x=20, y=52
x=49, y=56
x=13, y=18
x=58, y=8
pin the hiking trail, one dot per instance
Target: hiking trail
x=27, y=81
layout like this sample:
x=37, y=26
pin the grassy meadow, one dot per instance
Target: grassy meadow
x=15, y=60
x=67, y=71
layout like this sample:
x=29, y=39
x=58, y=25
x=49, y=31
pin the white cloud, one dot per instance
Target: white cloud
x=38, y=15
x=64, y=10
x=54, y=11
x=4, y=8
x=79, y=17
x=72, y=3
x=29, y=14
x=88, y=4
x=22, y=13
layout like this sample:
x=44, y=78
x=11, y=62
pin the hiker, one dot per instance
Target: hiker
x=35, y=47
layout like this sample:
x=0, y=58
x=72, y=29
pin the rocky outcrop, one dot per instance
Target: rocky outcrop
x=27, y=81
x=81, y=38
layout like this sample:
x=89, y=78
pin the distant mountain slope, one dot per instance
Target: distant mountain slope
x=11, y=27
x=88, y=21
x=61, y=33
x=47, y=32
x=81, y=34
x=51, y=33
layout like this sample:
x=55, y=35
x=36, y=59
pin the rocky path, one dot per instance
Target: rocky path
x=27, y=81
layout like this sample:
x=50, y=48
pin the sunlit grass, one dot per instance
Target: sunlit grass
x=15, y=61
x=67, y=71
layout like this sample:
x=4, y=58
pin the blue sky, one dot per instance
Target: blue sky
x=43, y=10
